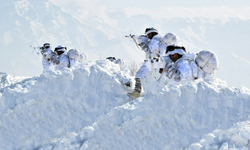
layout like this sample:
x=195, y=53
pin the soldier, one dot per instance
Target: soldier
x=46, y=53
x=62, y=60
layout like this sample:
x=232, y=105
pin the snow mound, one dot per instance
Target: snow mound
x=7, y=80
x=58, y=102
x=87, y=108
x=173, y=118
x=237, y=137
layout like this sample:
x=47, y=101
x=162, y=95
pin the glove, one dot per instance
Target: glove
x=160, y=70
x=55, y=60
x=45, y=56
x=170, y=70
x=146, y=50
x=177, y=77
x=143, y=45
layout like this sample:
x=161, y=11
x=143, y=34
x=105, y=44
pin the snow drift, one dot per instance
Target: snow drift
x=41, y=108
x=87, y=108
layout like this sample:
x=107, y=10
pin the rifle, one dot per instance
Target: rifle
x=46, y=55
x=141, y=41
x=142, y=44
x=38, y=47
x=133, y=37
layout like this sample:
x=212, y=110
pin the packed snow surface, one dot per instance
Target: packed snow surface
x=87, y=108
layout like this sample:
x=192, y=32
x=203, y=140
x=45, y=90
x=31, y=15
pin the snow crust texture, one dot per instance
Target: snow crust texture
x=87, y=108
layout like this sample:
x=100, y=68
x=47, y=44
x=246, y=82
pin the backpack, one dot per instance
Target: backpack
x=74, y=54
x=207, y=61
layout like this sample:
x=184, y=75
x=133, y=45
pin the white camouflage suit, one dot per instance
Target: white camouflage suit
x=62, y=59
x=153, y=51
x=62, y=62
x=158, y=47
x=46, y=62
x=182, y=70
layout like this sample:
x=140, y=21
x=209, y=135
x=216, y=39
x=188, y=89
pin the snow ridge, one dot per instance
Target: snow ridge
x=172, y=119
x=87, y=108
x=56, y=103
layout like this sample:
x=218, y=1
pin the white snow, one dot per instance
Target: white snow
x=87, y=108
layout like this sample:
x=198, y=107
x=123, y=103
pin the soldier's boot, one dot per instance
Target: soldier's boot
x=137, y=91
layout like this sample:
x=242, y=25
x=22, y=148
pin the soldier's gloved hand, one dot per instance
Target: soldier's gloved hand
x=170, y=70
x=52, y=58
x=57, y=62
x=146, y=50
x=143, y=45
x=45, y=56
x=177, y=77
x=160, y=70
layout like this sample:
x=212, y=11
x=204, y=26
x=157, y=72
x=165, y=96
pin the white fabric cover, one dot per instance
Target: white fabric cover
x=163, y=48
x=183, y=65
x=194, y=68
x=152, y=51
x=46, y=45
x=46, y=53
x=207, y=61
x=142, y=39
x=170, y=39
x=151, y=30
x=74, y=54
x=63, y=62
x=183, y=70
x=75, y=57
x=46, y=64
x=178, y=51
x=154, y=46
x=60, y=48
x=142, y=71
x=163, y=61
x=146, y=67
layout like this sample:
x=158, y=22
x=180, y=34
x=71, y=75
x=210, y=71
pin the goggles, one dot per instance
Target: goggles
x=172, y=48
x=150, y=30
x=60, y=49
x=46, y=45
